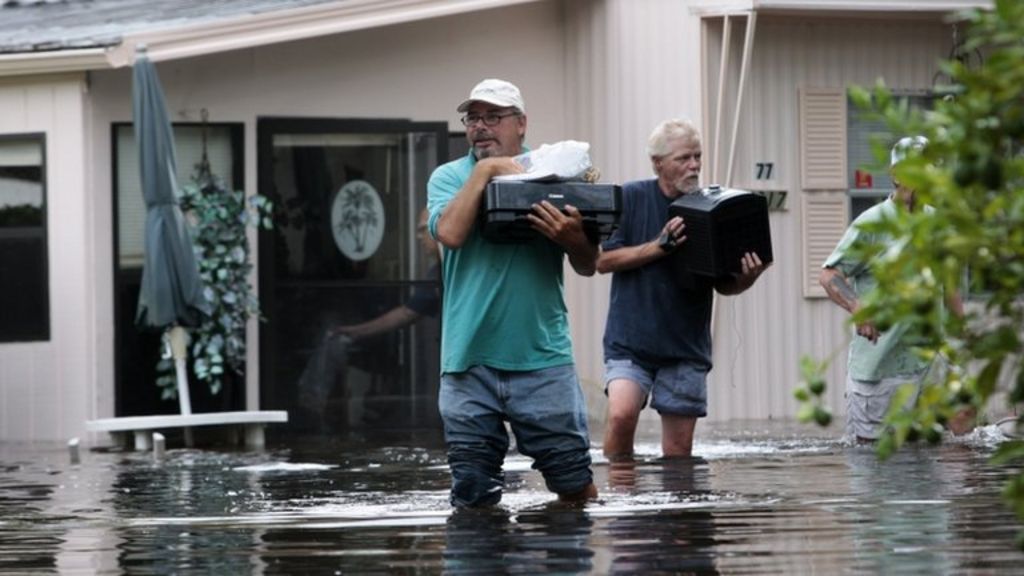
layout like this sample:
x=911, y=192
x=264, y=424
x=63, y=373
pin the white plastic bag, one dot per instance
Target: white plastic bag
x=565, y=160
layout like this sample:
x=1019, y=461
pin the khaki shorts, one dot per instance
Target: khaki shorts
x=867, y=402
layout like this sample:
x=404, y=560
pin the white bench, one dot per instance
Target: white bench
x=141, y=427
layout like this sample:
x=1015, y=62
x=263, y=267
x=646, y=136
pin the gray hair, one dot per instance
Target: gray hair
x=668, y=131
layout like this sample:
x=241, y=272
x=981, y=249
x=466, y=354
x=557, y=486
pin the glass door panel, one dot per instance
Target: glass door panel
x=342, y=269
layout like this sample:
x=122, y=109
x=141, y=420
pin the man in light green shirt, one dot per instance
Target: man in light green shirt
x=879, y=362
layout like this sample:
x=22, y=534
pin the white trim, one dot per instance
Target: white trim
x=245, y=32
x=55, y=62
x=132, y=423
x=715, y=8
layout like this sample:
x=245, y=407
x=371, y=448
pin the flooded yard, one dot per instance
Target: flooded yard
x=759, y=498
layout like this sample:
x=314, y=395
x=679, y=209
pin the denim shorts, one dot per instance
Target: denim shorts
x=547, y=413
x=680, y=389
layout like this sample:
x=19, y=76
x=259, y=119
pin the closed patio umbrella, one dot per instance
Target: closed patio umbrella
x=171, y=296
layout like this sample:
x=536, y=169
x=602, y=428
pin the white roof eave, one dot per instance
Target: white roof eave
x=714, y=8
x=243, y=32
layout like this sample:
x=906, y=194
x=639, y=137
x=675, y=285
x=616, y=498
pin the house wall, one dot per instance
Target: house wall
x=419, y=71
x=48, y=389
x=631, y=65
x=604, y=71
x=760, y=336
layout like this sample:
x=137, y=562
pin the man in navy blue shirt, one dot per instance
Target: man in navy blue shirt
x=425, y=299
x=657, y=341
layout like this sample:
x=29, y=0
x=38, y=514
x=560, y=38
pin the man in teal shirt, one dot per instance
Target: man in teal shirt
x=879, y=362
x=505, y=348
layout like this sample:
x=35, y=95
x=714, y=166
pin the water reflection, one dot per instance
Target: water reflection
x=660, y=520
x=21, y=504
x=553, y=538
x=768, y=503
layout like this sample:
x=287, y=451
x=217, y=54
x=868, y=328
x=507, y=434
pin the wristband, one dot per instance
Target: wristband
x=666, y=242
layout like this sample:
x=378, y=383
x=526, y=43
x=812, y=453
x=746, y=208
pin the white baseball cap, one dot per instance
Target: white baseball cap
x=905, y=144
x=497, y=92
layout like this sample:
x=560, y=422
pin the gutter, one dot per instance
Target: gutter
x=244, y=32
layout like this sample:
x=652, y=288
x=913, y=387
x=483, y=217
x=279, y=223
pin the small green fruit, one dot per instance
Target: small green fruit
x=822, y=416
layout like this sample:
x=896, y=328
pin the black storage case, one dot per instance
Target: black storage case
x=721, y=225
x=505, y=205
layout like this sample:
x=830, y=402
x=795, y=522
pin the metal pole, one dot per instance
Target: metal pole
x=748, y=42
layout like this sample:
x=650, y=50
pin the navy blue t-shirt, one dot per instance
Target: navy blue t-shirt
x=655, y=316
x=426, y=298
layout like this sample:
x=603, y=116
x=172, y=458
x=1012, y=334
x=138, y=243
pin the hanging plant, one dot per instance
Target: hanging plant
x=218, y=218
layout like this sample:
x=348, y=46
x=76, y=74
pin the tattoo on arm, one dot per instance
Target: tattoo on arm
x=842, y=291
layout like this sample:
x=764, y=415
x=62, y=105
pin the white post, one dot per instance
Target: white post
x=73, y=451
x=748, y=44
x=159, y=446
x=179, y=351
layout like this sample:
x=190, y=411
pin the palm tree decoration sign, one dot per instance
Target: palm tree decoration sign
x=357, y=220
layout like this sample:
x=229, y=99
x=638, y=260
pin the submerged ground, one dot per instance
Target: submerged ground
x=759, y=498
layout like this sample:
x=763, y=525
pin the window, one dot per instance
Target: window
x=24, y=275
x=221, y=144
x=869, y=183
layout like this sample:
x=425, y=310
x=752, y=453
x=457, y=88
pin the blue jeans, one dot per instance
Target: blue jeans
x=547, y=414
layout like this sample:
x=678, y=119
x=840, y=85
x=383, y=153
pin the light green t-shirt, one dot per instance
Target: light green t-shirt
x=891, y=355
x=503, y=304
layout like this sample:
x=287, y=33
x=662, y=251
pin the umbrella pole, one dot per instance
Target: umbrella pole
x=179, y=351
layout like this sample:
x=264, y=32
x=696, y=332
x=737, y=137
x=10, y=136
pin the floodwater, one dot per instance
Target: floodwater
x=759, y=498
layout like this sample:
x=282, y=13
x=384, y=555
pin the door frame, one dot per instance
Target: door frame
x=266, y=128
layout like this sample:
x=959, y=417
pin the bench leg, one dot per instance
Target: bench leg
x=143, y=440
x=233, y=437
x=254, y=436
x=121, y=440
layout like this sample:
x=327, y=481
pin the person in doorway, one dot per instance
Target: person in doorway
x=506, y=354
x=328, y=370
x=657, y=340
x=878, y=363
x=425, y=300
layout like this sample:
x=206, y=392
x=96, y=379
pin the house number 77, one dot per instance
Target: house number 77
x=763, y=170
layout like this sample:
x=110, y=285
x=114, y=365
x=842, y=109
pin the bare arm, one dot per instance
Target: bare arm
x=566, y=230
x=840, y=292
x=398, y=317
x=629, y=257
x=459, y=216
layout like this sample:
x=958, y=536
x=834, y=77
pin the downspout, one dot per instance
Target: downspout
x=748, y=42
x=722, y=67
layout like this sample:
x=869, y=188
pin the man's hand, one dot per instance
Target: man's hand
x=751, y=268
x=868, y=330
x=566, y=230
x=563, y=228
x=488, y=168
x=672, y=235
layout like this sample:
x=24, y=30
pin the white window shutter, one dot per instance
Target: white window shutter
x=823, y=138
x=824, y=216
x=823, y=177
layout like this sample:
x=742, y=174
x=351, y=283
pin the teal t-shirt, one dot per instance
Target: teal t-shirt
x=503, y=304
x=892, y=355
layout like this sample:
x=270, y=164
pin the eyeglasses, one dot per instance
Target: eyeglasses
x=490, y=119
